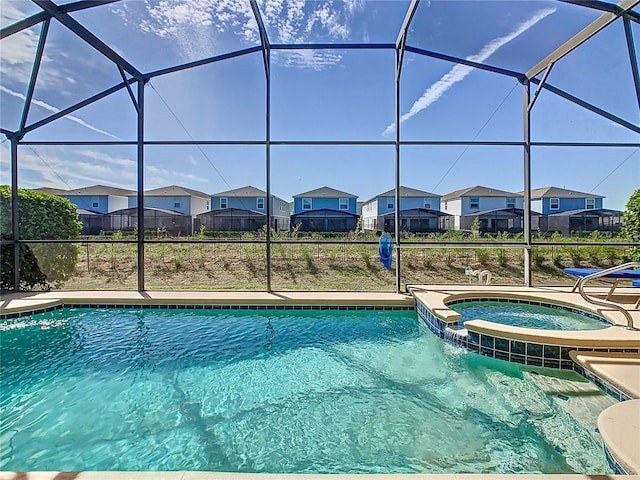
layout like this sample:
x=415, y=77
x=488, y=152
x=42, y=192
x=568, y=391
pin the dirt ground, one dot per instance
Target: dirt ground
x=342, y=267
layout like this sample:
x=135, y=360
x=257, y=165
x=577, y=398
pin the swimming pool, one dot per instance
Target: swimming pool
x=305, y=391
x=526, y=314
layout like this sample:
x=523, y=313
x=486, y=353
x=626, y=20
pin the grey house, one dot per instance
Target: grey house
x=244, y=209
x=496, y=210
x=565, y=211
x=419, y=211
x=325, y=209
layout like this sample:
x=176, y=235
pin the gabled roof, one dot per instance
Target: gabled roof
x=479, y=191
x=325, y=192
x=408, y=192
x=546, y=192
x=247, y=191
x=96, y=190
x=51, y=190
x=589, y=212
x=417, y=212
x=175, y=191
x=405, y=192
x=134, y=210
x=242, y=192
x=87, y=213
x=232, y=212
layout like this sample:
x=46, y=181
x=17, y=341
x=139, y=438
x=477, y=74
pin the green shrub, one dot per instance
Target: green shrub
x=42, y=217
x=483, y=255
x=538, y=258
x=631, y=224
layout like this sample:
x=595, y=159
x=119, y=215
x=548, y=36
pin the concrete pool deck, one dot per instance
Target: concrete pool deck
x=291, y=476
x=622, y=370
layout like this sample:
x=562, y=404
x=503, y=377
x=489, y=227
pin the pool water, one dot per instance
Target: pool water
x=298, y=391
x=526, y=315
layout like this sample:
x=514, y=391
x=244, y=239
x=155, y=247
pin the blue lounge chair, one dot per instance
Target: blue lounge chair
x=613, y=277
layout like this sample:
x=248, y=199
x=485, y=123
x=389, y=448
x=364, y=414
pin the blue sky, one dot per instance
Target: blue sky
x=324, y=95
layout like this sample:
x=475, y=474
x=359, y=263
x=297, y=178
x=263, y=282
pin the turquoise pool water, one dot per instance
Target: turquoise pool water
x=279, y=391
x=525, y=315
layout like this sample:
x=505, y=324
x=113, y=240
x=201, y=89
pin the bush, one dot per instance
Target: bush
x=631, y=226
x=42, y=217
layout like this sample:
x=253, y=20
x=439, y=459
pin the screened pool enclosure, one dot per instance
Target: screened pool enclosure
x=188, y=99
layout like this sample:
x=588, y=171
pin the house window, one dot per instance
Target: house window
x=474, y=202
x=554, y=204
x=446, y=204
x=511, y=202
x=224, y=202
x=427, y=203
x=590, y=203
x=389, y=203
x=344, y=204
x=306, y=204
x=94, y=202
x=176, y=204
x=260, y=203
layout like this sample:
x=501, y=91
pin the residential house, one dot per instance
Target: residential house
x=325, y=210
x=175, y=198
x=245, y=209
x=419, y=211
x=569, y=210
x=99, y=198
x=93, y=203
x=161, y=204
x=496, y=210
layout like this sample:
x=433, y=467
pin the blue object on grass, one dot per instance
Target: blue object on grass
x=386, y=250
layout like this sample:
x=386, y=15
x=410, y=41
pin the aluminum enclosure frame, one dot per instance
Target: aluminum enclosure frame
x=60, y=13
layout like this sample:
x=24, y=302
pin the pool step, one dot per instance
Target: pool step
x=551, y=398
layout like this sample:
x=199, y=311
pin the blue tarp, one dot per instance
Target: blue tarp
x=386, y=250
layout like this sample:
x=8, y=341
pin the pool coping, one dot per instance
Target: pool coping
x=190, y=475
x=26, y=303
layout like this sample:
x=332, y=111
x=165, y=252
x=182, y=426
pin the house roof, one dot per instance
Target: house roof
x=325, y=192
x=405, y=192
x=418, y=212
x=174, y=191
x=132, y=210
x=495, y=211
x=85, y=212
x=592, y=212
x=51, y=190
x=232, y=212
x=247, y=191
x=96, y=190
x=546, y=192
x=479, y=191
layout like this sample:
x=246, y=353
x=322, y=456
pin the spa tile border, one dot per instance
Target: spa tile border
x=174, y=306
x=611, y=389
x=613, y=463
x=525, y=353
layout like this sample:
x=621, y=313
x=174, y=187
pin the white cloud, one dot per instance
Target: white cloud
x=200, y=28
x=53, y=109
x=18, y=50
x=58, y=69
x=71, y=168
x=459, y=72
